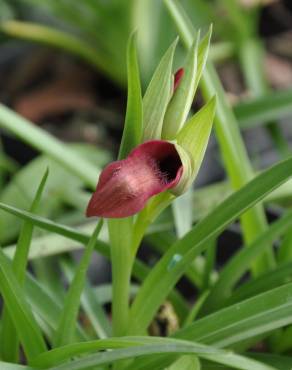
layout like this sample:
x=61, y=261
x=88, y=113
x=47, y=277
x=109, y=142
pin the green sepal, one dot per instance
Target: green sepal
x=132, y=133
x=203, y=51
x=191, y=143
x=181, y=102
x=182, y=99
x=157, y=96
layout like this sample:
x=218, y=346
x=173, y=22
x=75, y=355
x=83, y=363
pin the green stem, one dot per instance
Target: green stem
x=61, y=40
x=121, y=234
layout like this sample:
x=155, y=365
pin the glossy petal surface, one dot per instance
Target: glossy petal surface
x=125, y=186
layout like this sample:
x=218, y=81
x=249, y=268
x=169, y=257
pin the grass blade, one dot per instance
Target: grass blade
x=67, y=322
x=19, y=310
x=10, y=349
x=139, y=346
x=241, y=261
x=248, y=319
x=91, y=304
x=46, y=143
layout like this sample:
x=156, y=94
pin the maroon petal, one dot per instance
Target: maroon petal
x=125, y=186
x=177, y=77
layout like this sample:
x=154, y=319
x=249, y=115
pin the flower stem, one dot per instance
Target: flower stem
x=120, y=233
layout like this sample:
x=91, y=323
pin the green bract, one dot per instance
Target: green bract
x=166, y=111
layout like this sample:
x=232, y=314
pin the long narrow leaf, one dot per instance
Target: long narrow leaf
x=242, y=260
x=9, y=349
x=67, y=322
x=149, y=346
x=19, y=310
x=46, y=143
x=247, y=319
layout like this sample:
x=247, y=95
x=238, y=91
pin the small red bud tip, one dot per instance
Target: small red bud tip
x=125, y=186
x=177, y=77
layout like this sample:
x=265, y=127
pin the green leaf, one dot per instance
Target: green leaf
x=273, y=279
x=157, y=96
x=91, y=304
x=182, y=99
x=196, y=308
x=165, y=274
x=241, y=262
x=279, y=362
x=46, y=307
x=46, y=143
x=186, y=363
x=10, y=348
x=19, y=310
x=8, y=366
x=260, y=110
x=248, y=319
x=67, y=321
x=132, y=133
x=138, y=346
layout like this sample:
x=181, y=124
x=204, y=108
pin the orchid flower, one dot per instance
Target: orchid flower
x=172, y=146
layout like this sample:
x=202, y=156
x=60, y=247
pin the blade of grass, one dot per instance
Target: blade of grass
x=67, y=321
x=90, y=304
x=280, y=276
x=186, y=363
x=8, y=366
x=46, y=143
x=27, y=329
x=9, y=349
x=149, y=346
x=45, y=306
x=196, y=308
x=241, y=261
